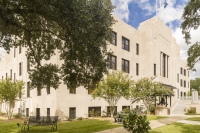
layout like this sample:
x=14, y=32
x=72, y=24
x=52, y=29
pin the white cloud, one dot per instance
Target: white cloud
x=121, y=9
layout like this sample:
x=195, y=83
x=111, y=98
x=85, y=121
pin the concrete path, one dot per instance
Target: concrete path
x=190, y=122
x=153, y=124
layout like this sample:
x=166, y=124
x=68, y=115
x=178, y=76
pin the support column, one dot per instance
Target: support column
x=161, y=64
x=170, y=101
x=155, y=101
x=166, y=58
x=166, y=101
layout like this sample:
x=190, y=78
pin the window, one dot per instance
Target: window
x=6, y=75
x=19, y=111
x=48, y=90
x=181, y=71
x=181, y=83
x=184, y=93
x=184, y=72
x=181, y=93
x=154, y=69
x=125, y=65
x=188, y=73
x=188, y=85
x=164, y=56
x=14, y=77
x=137, y=69
x=178, y=78
x=91, y=87
x=20, y=49
x=37, y=112
x=178, y=93
x=27, y=112
x=11, y=74
x=72, y=90
x=48, y=111
x=20, y=68
x=108, y=110
x=14, y=52
x=28, y=89
x=114, y=38
x=2, y=77
x=112, y=62
x=28, y=65
x=137, y=49
x=94, y=111
x=125, y=108
x=125, y=44
x=20, y=95
x=38, y=91
x=72, y=113
x=184, y=83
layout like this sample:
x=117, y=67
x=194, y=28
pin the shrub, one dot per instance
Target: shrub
x=68, y=119
x=17, y=116
x=136, y=123
x=191, y=111
x=79, y=118
x=3, y=114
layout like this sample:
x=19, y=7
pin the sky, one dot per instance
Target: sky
x=133, y=12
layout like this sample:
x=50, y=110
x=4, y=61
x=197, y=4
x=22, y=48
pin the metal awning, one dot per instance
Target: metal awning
x=169, y=86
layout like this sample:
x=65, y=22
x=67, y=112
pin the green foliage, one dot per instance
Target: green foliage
x=136, y=123
x=191, y=20
x=75, y=31
x=9, y=93
x=79, y=118
x=146, y=90
x=17, y=116
x=3, y=114
x=115, y=86
x=191, y=111
x=195, y=84
x=189, y=93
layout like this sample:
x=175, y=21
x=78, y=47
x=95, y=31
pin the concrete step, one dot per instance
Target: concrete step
x=180, y=108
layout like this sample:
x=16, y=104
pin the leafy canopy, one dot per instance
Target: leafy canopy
x=76, y=31
x=191, y=19
x=195, y=84
x=116, y=85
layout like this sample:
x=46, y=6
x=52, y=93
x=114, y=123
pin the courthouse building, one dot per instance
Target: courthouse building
x=149, y=51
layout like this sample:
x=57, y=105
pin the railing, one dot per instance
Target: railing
x=188, y=98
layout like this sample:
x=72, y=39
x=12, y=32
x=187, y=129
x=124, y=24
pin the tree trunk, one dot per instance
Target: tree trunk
x=112, y=110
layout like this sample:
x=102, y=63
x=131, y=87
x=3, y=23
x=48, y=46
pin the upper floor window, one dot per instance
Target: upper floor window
x=164, y=65
x=11, y=74
x=188, y=85
x=184, y=83
x=125, y=44
x=38, y=92
x=91, y=87
x=14, y=52
x=72, y=90
x=125, y=65
x=188, y=73
x=137, y=69
x=112, y=62
x=178, y=78
x=154, y=69
x=181, y=71
x=28, y=65
x=181, y=83
x=137, y=49
x=20, y=68
x=184, y=72
x=28, y=89
x=20, y=49
x=114, y=38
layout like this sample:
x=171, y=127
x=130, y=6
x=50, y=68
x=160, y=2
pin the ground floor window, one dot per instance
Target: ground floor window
x=72, y=113
x=48, y=111
x=125, y=108
x=37, y=112
x=27, y=112
x=108, y=111
x=19, y=111
x=94, y=111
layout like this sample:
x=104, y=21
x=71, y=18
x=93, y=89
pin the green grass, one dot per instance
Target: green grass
x=194, y=119
x=84, y=126
x=2, y=119
x=150, y=118
x=177, y=128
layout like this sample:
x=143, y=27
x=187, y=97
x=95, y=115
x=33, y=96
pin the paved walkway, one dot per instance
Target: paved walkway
x=156, y=123
x=189, y=122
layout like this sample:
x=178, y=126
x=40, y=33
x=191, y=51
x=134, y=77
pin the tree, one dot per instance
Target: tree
x=116, y=85
x=195, y=84
x=145, y=90
x=76, y=29
x=191, y=19
x=9, y=93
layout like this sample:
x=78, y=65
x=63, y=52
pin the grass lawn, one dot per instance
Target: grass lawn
x=150, y=118
x=177, y=128
x=2, y=119
x=84, y=126
x=194, y=119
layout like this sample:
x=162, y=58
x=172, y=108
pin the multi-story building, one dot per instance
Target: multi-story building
x=149, y=51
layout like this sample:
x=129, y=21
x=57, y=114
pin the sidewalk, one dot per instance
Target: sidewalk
x=154, y=123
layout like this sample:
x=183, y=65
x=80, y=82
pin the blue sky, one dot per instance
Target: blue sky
x=133, y=12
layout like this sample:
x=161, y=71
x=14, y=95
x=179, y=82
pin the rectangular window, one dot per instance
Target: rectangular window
x=125, y=108
x=72, y=90
x=2, y=77
x=19, y=112
x=28, y=65
x=48, y=90
x=137, y=49
x=6, y=75
x=137, y=69
x=14, y=77
x=39, y=92
x=184, y=72
x=184, y=83
x=114, y=38
x=164, y=56
x=28, y=89
x=112, y=64
x=125, y=44
x=178, y=93
x=125, y=65
x=181, y=70
x=20, y=69
x=91, y=87
x=27, y=112
x=188, y=74
x=178, y=78
x=20, y=49
x=108, y=111
x=48, y=111
x=181, y=83
x=11, y=74
x=37, y=113
x=188, y=85
x=14, y=52
x=94, y=111
x=154, y=69
x=72, y=113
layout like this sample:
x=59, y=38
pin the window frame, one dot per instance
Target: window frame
x=28, y=89
x=111, y=63
x=154, y=69
x=137, y=49
x=115, y=39
x=70, y=111
x=48, y=112
x=125, y=68
x=124, y=43
x=20, y=49
x=137, y=69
